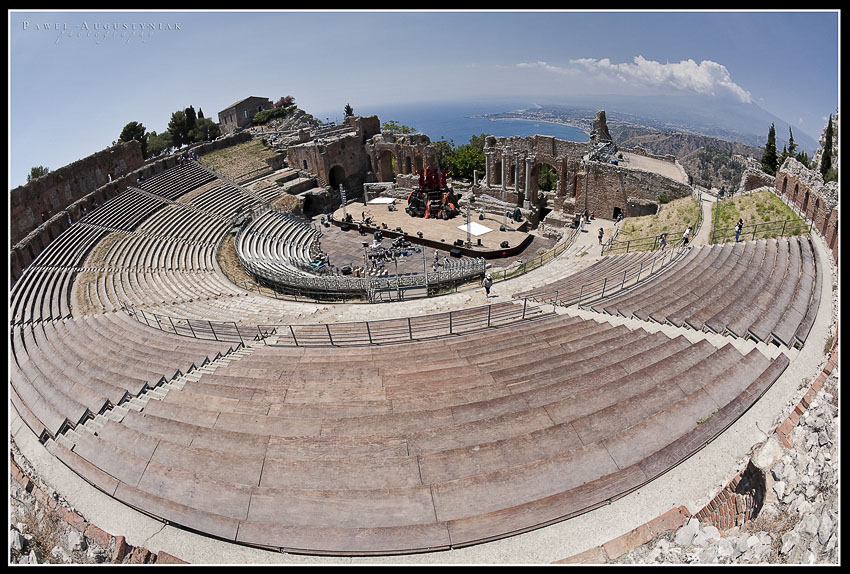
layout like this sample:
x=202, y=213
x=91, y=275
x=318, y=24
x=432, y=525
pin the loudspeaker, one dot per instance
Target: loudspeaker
x=346, y=270
x=505, y=244
x=455, y=252
x=344, y=226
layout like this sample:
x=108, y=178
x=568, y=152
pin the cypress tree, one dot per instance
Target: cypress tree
x=826, y=158
x=769, y=160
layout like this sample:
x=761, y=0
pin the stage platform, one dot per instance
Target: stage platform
x=440, y=233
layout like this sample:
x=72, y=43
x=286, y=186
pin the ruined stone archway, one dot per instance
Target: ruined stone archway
x=543, y=184
x=386, y=166
x=336, y=177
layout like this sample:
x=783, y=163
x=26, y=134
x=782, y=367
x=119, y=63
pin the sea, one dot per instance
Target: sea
x=457, y=122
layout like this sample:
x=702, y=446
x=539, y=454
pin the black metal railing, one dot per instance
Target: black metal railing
x=348, y=333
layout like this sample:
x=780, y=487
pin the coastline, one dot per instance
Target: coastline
x=536, y=120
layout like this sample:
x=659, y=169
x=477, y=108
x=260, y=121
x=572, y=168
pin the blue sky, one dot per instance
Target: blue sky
x=76, y=78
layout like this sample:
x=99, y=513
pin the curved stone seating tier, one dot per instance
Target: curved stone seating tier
x=178, y=180
x=224, y=201
x=125, y=211
x=43, y=290
x=605, y=277
x=767, y=290
x=276, y=243
x=415, y=446
x=66, y=371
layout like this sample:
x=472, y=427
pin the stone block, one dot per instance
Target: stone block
x=98, y=536
x=595, y=555
x=628, y=541
x=670, y=520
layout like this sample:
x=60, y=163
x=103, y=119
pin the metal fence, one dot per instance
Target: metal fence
x=535, y=262
x=651, y=242
x=299, y=282
x=764, y=230
x=347, y=334
x=628, y=277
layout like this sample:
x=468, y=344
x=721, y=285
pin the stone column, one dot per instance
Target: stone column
x=504, y=170
x=488, y=158
x=528, y=171
x=475, y=177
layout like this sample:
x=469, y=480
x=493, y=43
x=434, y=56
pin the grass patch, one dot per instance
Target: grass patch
x=672, y=218
x=233, y=161
x=756, y=209
x=230, y=265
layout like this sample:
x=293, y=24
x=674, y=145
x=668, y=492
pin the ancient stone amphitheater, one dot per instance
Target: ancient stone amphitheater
x=370, y=430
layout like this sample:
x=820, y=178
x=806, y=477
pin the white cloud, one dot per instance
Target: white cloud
x=706, y=77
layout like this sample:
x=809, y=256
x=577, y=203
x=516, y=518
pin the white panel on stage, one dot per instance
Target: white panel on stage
x=475, y=228
x=379, y=200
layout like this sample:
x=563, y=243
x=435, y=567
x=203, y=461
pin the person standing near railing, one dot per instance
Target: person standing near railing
x=488, y=282
x=738, y=229
x=662, y=240
x=686, y=235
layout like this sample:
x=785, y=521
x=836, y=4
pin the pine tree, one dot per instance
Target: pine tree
x=769, y=161
x=349, y=111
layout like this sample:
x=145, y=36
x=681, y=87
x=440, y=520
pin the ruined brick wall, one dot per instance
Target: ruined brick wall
x=36, y=202
x=754, y=179
x=343, y=159
x=806, y=189
x=607, y=188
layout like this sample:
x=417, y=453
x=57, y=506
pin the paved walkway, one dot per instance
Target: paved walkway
x=704, y=234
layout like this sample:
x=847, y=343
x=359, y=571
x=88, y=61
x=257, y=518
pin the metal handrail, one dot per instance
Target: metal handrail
x=793, y=229
x=655, y=265
x=346, y=333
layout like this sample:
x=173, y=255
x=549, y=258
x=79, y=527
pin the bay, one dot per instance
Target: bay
x=456, y=121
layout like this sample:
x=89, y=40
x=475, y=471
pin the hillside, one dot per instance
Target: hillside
x=709, y=161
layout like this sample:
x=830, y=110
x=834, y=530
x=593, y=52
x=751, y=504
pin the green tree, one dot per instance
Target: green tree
x=769, y=161
x=547, y=178
x=191, y=122
x=461, y=161
x=135, y=131
x=200, y=114
x=159, y=143
x=348, y=111
x=826, y=158
x=803, y=158
x=177, y=128
x=792, y=147
x=205, y=130
x=36, y=172
x=394, y=127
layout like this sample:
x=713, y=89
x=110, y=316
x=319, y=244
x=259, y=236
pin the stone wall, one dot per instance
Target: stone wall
x=609, y=187
x=35, y=203
x=343, y=159
x=806, y=189
x=394, y=155
x=25, y=250
x=754, y=179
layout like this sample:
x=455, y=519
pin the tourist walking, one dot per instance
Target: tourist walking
x=601, y=235
x=738, y=229
x=662, y=240
x=686, y=235
x=488, y=282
